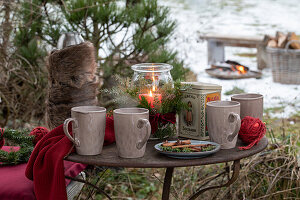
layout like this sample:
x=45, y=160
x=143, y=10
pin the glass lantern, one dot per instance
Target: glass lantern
x=149, y=78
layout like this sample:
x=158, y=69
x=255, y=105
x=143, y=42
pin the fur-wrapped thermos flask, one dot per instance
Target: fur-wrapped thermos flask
x=72, y=81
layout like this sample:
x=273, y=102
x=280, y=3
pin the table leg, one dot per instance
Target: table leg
x=235, y=174
x=167, y=183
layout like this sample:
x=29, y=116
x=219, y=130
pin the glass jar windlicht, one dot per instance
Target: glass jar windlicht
x=149, y=78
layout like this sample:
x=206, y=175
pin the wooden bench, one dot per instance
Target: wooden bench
x=216, y=44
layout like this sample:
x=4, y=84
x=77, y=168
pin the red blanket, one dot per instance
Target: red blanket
x=15, y=185
x=45, y=166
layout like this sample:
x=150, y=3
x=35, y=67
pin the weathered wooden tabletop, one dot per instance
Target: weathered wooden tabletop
x=153, y=159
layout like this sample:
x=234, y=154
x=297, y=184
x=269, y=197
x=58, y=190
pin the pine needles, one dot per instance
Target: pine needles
x=18, y=138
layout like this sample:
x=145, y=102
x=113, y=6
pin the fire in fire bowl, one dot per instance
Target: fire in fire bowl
x=232, y=70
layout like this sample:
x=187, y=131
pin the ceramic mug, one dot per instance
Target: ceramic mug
x=132, y=130
x=223, y=122
x=88, y=128
x=251, y=104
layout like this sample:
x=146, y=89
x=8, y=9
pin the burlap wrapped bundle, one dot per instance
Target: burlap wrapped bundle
x=72, y=81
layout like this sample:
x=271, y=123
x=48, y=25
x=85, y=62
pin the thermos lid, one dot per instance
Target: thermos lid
x=203, y=86
x=68, y=39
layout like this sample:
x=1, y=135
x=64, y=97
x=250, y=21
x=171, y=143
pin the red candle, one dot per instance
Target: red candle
x=151, y=98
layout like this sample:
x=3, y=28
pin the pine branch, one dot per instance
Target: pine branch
x=22, y=139
x=144, y=103
x=18, y=136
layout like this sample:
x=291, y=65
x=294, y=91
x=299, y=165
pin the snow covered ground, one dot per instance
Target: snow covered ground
x=243, y=17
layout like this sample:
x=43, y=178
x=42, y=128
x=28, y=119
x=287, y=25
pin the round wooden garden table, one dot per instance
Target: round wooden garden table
x=153, y=159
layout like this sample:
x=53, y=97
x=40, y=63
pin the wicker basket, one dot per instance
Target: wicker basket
x=285, y=64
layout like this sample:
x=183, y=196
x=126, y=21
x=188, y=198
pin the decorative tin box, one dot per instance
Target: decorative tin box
x=192, y=122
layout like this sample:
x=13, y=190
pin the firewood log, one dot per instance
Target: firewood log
x=272, y=43
x=266, y=39
x=282, y=39
x=293, y=36
x=72, y=81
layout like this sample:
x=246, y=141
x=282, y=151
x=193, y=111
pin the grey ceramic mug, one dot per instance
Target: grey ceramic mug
x=223, y=122
x=251, y=104
x=88, y=128
x=132, y=130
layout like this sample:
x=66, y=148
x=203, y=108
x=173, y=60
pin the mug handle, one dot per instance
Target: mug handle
x=234, y=118
x=143, y=123
x=66, y=131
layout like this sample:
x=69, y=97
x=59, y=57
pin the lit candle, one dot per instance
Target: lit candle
x=154, y=86
x=151, y=98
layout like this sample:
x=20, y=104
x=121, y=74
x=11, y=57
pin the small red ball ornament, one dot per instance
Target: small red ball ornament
x=39, y=133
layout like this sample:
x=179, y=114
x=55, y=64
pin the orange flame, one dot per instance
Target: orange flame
x=150, y=93
x=154, y=86
x=241, y=69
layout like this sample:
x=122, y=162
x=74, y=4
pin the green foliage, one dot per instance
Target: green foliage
x=144, y=103
x=23, y=80
x=144, y=28
x=144, y=185
x=172, y=98
x=18, y=138
x=178, y=72
x=235, y=90
x=169, y=149
x=122, y=95
x=186, y=149
x=126, y=94
x=273, y=110
x=164, y=131
x=31, y=53
x=123, y=35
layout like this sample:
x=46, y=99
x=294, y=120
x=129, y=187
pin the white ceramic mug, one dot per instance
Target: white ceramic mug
x=251, y=104
x=132, y=130
x=88, y=128
x=223, y=122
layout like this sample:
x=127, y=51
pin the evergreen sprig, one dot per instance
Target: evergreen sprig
x=144, y=104
x=166, y=130
x=172, y=98
x=19, y=138
x=126, y=93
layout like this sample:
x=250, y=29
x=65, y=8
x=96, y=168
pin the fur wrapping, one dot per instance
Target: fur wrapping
x=72, y=81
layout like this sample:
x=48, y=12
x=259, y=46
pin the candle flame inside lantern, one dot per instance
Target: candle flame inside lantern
x=154, y=86
x=150, y=94
x=152, y=97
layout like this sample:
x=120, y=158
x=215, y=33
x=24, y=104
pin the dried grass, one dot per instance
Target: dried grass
x=22, y=93
x=22, y=84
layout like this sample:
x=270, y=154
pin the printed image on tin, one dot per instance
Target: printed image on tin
x=188, y=117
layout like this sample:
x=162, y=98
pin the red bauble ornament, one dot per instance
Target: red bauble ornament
x=251, y=132
x=1, y=138
x=39, y=133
